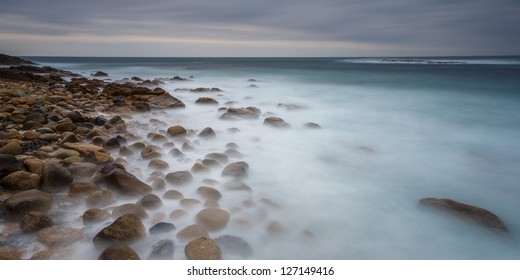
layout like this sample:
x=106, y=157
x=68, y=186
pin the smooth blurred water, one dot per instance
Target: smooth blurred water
x=392, y=133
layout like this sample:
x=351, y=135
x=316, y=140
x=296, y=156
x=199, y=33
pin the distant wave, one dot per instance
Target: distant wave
x=475, y=60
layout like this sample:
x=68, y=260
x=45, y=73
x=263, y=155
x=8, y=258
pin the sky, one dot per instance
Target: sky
x=259, y=28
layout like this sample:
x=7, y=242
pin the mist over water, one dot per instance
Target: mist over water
x=390, y=135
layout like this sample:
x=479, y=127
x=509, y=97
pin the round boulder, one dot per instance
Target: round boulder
x=95, y=215
x=179, y=178
x=129, y=208
x=150, y=201
x=276, y=122
x=119, y=251
x=192, y=232
x=125, y=229
x=34, y=221
x=202, y=249
x=236, y=169
x=176, y=131
x=213, y=219
x=27, y=201
x=21, y=180
x=58, y=236
x=209, y=193
x=100, y=198
x=55, y=177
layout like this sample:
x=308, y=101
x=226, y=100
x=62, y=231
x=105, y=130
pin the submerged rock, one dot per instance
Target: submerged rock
x=241, y=113
x=129, y=208
x=192, y=232
x=234, y=246
x=176, y=131
x=162, y=250
x=179, y=177
x=95, y=215
x=213, y=219
x=125, y=183
x=276, y=122
x=34, y=221
x=59, y=236
x=471, y=213
x=236, y=169
x=161, y=227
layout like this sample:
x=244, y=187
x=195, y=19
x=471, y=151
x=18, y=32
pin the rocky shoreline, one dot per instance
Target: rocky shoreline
x=60, y=132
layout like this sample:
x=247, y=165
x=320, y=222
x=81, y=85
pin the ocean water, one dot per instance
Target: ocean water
x=393, y=131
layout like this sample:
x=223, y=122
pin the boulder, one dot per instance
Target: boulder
x=161, y=227
x=11, y=148
x=206, y=101
x=125, y=183
x=129, y=208
x=158, y=164
x=34, y=165
x=192, y=232
x=209, y=193
x=21, y=180
x=165, y=101
x=179, y=178
x=99, y=74
x=236, y=169
x=162, y=250
x=83, y=169
x=276, y=122
x=235, y=246
x=202, y=249
x=118, y=251
x=207, y=133
x=176, y=131
x=220, y=157
x=34, y=221
x=150, y=201
x=82, y=190
x=173, y=194
x=100, y=198
x=471, y=213
x=95, y=215
x=312, y=125
x=213, y=219
x=35, y=117
x=58, y=236
x=199, y=168
x=55, y=177
x=126, y=229
x=241, y=113
x=237, y=185
x=96, y=153
x=24, y=202
x=150, y=153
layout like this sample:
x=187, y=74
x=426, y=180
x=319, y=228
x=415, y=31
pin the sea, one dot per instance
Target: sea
x=392, y=130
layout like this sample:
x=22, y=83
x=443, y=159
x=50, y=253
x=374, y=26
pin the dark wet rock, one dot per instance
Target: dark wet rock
x=24, y=202
x=58, y=236
x=312, y=125
x=65, y=126
x=211, y=163
x=99, y=120
x=71, y=137
x=207, y=133
x=276, y=122
x=141, y=107
x=178, y=214
x=95, y=215
x=99, y=74
x=186, y=147
x=220, y=157
x=100, y=198
x=34, y=221
x=176, y=131
x=206, y=101
x=150, y=201
x=162, y=250
x=8, y=164
x=112, y=144
x=179, y=178
x=199, y=168
x=234, y=246
x=162, y=227
x=21, y=180
x=13, y=60
x=471, y=213
x=81, y=190
x=176, y=153
x=94, y=153
x=55, y=177
x=158, y=164
x=126, y=229
x=241, y=113
x=83, y=169
x=201, y=89
x=31, y=125
x=173, y=194
x=137, y=79
x=192, y=232
x=237, y=169
x=237, y=185
x=209, y=193
x=213, y=219
x=125, y=183
x=119, y=251
x=165, y=101
x=11, y=148
x=150, y=153
x=202, y=249
x=127, y=90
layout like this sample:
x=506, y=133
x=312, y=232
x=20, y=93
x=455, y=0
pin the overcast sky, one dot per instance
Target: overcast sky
x=259, y=28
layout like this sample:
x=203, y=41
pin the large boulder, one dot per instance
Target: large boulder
x=55, y=177
x=237, y=169
x=100, y=198
x=150, y=201
x=58, y=236
x=90, y=151
x=125, y=183
x=209, y=193
x=34, y=221
x=202, y=249
x=21, y=180
x=241, y=113
x=179, y=177
x=471, y=213
x=213, y=219
x=82, y=190
x=129, y=208
x=119, y=251
x=176, y=131
x=8, y=164
x=165, y=101
x=24, y=202
x=95, y=215
x=126, y=229
x=11, y=148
